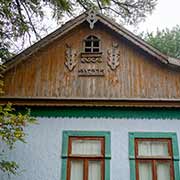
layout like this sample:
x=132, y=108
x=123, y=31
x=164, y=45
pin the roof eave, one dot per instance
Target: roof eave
x=103, y=19
x=89, y=102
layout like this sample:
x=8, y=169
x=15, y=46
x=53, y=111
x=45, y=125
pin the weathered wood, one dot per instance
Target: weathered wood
x=138, y=75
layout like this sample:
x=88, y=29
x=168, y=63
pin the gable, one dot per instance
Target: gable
x=136, y=75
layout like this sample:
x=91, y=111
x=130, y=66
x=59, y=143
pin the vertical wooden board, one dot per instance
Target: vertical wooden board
x=32, y=78
x=138, y=76
x=27, y=78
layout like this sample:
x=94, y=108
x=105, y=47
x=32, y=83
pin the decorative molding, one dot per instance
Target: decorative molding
x=113, y=57
x=70, y=56
x=91, y=58
x=91, y=72
x=92, y=18
x=133, y=114
x=91, y=64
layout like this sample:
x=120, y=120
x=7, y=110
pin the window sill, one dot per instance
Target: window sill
x=90, y=54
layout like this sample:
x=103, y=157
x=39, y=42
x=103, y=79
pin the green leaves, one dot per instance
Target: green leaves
x=21, y=20
x=12, y=126
x=167, y=41
x=9, y=166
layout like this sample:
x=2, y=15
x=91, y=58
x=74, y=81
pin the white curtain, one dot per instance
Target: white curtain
x=145, y=171
x=76, y=170
x=86, y=147
x=94, y=170
x=163, y=171
x=152, y=148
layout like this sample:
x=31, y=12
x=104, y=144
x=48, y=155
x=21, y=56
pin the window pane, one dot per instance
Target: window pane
x=152, y=148
x=87, y=49
x=76, y=170
x=88, y=43
x=86, y=147
x=94, y=170
x=163, y=171
x=95, y=49
x=96, y=44
x=145, y=171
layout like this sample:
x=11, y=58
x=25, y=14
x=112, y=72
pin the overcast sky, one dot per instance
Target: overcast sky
x=166, y=14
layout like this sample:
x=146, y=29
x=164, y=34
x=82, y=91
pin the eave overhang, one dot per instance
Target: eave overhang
x=87, y=102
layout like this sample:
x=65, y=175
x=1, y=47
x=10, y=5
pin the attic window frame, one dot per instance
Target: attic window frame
x=91, y=39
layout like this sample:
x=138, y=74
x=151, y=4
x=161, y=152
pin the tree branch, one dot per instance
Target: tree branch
x=123, y=5
x=81, y=3
x=99, y=5
x=19, y=10
x=31, y=23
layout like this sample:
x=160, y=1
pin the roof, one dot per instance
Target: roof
x=106, y=21
x=77, y=101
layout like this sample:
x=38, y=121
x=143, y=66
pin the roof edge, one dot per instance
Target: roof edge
x=173, y=62
x=87, y=102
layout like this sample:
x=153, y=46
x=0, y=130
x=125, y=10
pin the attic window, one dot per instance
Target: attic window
x=92, y=44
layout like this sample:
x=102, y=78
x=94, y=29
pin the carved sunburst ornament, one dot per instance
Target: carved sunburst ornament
x=92, y=18
x=71, y=56
x=113, y=57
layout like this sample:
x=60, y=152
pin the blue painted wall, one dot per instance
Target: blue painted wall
x=40, y=158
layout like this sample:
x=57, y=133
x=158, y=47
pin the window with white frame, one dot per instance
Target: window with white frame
x=92, y=44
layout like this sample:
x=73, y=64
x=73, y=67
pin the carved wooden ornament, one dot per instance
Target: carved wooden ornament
x=70, y=56
x=92, y=18
x=113, y=57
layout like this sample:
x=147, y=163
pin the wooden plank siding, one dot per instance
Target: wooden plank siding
x=44, y=74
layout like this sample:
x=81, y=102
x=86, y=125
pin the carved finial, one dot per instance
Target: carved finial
x=113, y=56
x=70, y=56
x=92, y=18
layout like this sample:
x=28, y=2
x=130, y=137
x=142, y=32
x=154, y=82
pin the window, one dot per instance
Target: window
x=153, y=156
x=85, y=155
x=91, y=44
x=154, y=159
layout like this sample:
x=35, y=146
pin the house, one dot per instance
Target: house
x=106, y=101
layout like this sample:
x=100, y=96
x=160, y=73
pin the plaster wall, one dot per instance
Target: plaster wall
x=40, y=158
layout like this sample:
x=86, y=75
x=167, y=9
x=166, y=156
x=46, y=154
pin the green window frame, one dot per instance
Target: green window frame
x=107, y=156
x=154, y=135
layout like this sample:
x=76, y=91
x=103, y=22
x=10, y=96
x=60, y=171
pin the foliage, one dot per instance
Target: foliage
x=167, y=41
x=12, y=126
x=22, y=18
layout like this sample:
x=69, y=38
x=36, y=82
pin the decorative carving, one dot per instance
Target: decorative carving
x=91, y=64
x=113, y=57
x=92, y=18
x=91, y=72
x=91, y=60
x=70, y=56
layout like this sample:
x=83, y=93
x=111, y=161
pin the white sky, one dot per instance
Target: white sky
x=166, y=14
